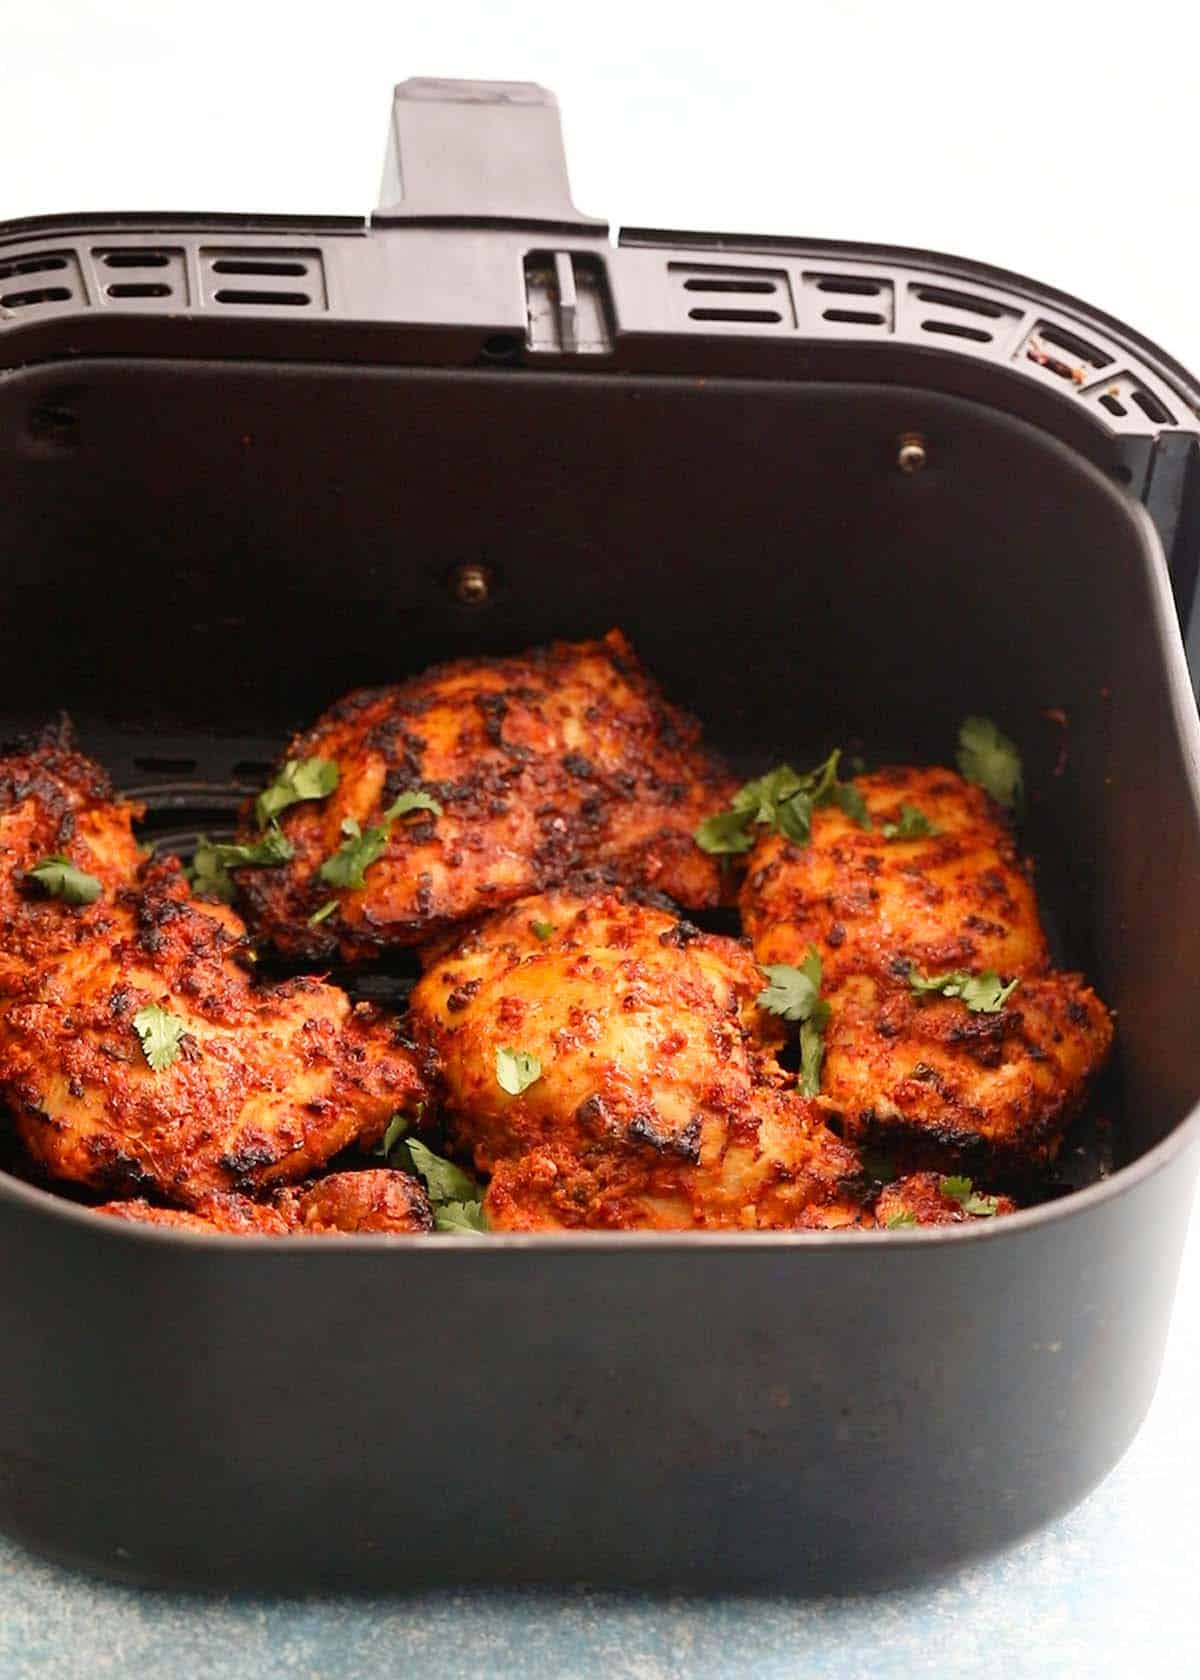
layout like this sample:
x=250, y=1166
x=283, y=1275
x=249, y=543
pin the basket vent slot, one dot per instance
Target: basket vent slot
x=1063, y=353
x=1130, y=403
x=40, y=279
x=262, y=278
x=142, y=276
x=767, y=293
x=962, y=300
x=866, y=303
x=958, y=329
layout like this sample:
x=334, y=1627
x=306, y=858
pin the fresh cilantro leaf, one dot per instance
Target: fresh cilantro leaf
x=543, y=930
x=456, y=1198
x=899, y=1220
x=988, y=757
x=460, y=1216
x=327, y=909
x=913, y=825
x=516, y=1071
x=853, y=803
x=361, y=847
x=784, y=801
x=300, y=778
x=792, y=992
x=960, y=1190
x=396, y=1128
x=60, y=878
x=812, y=1049
x=160, y=1033
x=213, y=859
x=985, y=994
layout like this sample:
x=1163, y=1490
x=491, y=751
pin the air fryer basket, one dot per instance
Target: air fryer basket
x=834, y=494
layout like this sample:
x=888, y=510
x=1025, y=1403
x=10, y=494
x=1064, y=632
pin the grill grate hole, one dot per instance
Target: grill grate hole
x=156, y=766
x=729, y=285
x=135, y=259
x=32, y=265
x=766, y=315
x=255, y=265
x=1113, y=404
x=857, y=317
x=1150, y=407
x=42, y=294
x=293, y=300
x=848, y=287
x=139, y=289
x=957, y=329
x=961, y=300
x=1078, y=347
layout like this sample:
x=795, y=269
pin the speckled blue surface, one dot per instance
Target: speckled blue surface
x=1112, y=1589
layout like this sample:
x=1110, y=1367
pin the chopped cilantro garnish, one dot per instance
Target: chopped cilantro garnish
x=913, y=825
x=362, y=847
x=987, y=756
x=327, y=909
x=456, y=1198
x=795, y=994
x=959, y=1190
x=782, y=800
x=516, y=1071
x=213, y=859
x=60, y=878
x=300, y=779
x=396, y=1128
x=984, y=993
x=543, y=930
x=160, y=1033
x=897, y=1220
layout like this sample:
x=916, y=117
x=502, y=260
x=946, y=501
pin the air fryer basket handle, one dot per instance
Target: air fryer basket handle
x=482, y=152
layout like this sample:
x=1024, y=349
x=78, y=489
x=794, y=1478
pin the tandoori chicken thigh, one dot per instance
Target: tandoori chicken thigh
x=475, y=784
x=610, y=1066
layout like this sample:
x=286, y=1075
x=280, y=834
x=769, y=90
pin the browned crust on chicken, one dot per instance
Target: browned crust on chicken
x=564, y=757
x=54, y=801
x=377, y=1200
x=961, y=898
x=941, y=1081
x=268, y=1084
x=920, y=1199
x=659, y=1103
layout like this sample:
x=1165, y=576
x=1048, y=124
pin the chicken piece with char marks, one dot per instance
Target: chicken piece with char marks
x=927, y=1074
x=54, y=802
x=262, y=1083
x=376, y=1200
x=658, y=1101
x=924, y=1199
x=562, y=758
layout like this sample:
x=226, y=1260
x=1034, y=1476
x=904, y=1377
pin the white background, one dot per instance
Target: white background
x=1059, y=140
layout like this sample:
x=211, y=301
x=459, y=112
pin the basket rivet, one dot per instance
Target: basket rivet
x=911, y=456
x=472, y=585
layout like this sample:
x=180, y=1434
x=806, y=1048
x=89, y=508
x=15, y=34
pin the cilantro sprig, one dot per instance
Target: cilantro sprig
x=961, y=1191
x=213, y=859
x=984, y=994
x=794, y=994
x=300, y=779
x=783, y=800
x=516, y=1070
x=361, y=847
x=161, y=1034
x=913, y=824
x=456, y=1198
x=58, y=877
x=987, y=756
x=898, y=1221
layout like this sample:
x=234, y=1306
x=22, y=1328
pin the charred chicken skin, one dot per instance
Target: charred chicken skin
x=261, y=1084
x=561, y=758
x=936, y=1077
x=649, y=1095
x=376, y=1200
x=54, y=803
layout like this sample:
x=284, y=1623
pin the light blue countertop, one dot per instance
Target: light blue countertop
x=1112, y=1589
